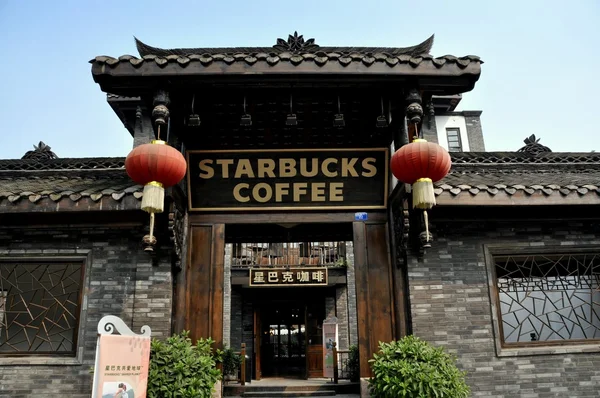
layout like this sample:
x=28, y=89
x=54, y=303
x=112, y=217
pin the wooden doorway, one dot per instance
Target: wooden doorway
x=288, y=328
x=283, y=339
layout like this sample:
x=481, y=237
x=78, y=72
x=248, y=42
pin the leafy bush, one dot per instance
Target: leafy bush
x=411, y=368
x=231, y=361
x=180, y=369
x=353, y=363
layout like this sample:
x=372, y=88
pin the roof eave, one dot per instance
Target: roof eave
x=518, y=199
x=47, y=205
x=124, y=77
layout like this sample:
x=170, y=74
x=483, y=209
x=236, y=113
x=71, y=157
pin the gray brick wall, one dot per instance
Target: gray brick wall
x=474, y=131
x=341, y=309
x=120, y=281
x=450, y=307
x=236, y=336
x=330, y=307
x=429, y=133
x=227, y=301
x=351, y=285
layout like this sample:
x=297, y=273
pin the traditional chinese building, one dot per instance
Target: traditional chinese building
x=289, y=216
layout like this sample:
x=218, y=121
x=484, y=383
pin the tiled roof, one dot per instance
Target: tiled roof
x=56, y=180
x=518, y=175
x=319, y=58
x=129, y=76
x=58, y=187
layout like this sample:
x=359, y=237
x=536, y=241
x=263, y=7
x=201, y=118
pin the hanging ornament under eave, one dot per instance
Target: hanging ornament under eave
x=156, y=166
x=420, y=164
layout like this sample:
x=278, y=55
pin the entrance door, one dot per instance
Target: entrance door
x=283, y=343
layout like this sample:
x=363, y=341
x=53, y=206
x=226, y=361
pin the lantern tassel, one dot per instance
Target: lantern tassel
x=423, y=195
x=153, y=200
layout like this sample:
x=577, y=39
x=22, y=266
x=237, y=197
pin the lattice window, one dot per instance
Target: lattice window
x=40, y=303
x=546, y=299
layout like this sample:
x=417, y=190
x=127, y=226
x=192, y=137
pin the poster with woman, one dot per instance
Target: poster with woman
x=122, y=364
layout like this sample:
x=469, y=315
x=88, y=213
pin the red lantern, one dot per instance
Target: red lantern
x=421, y=163
x=156, y=166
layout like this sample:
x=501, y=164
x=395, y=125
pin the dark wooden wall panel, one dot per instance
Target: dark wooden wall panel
x=204, y=288
x=362, y=296
x=217, y=285
x=374, y=290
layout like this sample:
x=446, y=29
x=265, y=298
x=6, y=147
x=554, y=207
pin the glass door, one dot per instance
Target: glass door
x=283, y=345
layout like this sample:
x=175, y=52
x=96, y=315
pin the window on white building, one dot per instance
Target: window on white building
x=453, y=135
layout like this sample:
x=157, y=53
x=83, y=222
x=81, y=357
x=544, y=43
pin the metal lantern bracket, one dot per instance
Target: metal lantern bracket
x=338, y=118
x=246, y=119
x=291, y=119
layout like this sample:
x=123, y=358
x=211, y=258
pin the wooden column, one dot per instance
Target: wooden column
x=204, y=276
x=374, y=290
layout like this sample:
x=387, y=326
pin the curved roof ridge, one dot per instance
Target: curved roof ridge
x=294, y=44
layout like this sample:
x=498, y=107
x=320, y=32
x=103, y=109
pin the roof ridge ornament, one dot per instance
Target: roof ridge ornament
x=296, y=43
x=40, y=151
x=533, y=146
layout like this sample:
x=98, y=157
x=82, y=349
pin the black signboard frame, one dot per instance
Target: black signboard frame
x=378, y=199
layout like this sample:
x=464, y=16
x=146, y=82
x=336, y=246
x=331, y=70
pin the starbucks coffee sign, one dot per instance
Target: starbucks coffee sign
x=287, y=179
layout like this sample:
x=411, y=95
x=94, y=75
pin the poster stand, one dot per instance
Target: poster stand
x=330, y=336
x=110, y=325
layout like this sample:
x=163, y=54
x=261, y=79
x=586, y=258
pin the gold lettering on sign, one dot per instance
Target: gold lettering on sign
x=237, y=194
x=299, y=190
x=266, y=168
x=325, y=167
x=348, y=167
x=303, y=276
x=314, y=167
x=268, y=192
x=281, y=189
x=336, y=193
x=206, y=171
x=318, y=192
x=367, y=165
x=244, y=168
x=225, y=163
x=287, y=168
x=288, y=276
x=318, y=276
x=259, y=277
x=273, y=277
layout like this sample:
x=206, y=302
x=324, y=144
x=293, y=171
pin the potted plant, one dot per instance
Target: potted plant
x=353, y=364
x=232, y=362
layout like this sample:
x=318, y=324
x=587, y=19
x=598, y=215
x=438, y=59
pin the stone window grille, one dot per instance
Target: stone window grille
x=454, y=143
x=547, y=299
x=40, y=306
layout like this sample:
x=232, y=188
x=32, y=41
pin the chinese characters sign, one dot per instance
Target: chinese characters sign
x=122, y=366
x=288, y=277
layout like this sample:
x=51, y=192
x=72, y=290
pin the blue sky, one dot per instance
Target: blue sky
x=541, y=72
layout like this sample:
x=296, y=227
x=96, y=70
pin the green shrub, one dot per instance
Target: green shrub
x=353, y=363
x=412, y=368
x=231, y=361
x=180, y=369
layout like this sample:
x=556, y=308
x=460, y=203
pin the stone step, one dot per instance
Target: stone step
x=288, y=394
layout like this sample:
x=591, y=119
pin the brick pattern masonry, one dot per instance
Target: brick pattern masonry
x=450, y=306
x=120, y=281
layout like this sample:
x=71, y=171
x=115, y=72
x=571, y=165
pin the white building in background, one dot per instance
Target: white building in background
x=455, y=131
